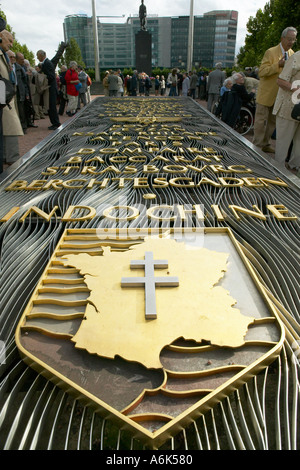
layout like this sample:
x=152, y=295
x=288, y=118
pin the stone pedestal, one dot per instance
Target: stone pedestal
x=143, y=52
x=97, y=88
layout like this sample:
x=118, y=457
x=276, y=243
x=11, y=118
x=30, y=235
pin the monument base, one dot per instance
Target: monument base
x=97, y=88
x=143, y=52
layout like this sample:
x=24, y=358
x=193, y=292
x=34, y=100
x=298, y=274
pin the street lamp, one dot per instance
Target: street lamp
x=191, y=37
x=96, y=43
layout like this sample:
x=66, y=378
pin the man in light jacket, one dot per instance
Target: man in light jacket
x=271, y=66
x=10, y=119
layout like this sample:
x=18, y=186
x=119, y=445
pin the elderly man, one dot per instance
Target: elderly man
x=113, y=83
x=48, y=69
x=287, y=128
x=271, y=66
x=10, y=119
x=214, y=83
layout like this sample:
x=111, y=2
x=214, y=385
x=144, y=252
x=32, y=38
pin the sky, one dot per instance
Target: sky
x=39, y=23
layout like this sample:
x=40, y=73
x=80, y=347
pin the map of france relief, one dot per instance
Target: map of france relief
x=178, y=284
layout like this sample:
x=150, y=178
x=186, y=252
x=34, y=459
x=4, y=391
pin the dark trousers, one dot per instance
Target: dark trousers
x=62, y=106
x=22, y=114
x=1, y=141
x=53, y=115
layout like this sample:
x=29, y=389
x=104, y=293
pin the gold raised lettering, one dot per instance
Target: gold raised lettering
x=39, y=212
x=278, y=210
x=257, y=213
x=69, y=218
x=134, y=213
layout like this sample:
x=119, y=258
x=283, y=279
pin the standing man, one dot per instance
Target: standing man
x=270, y=68
x=23, y=93
x=134, y=83
x=214, y=82
x=113, y=83
x=10, y=119
x=63, y=98
x=193, y=84
x=49, y=70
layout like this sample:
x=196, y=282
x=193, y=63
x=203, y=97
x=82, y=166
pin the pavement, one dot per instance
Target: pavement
x=34, y=136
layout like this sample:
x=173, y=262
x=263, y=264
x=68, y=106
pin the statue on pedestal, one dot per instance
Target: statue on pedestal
x=142, y=15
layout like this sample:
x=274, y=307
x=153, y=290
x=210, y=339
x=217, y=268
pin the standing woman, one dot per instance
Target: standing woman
x=72, y=80
x=156, y=85
x=162, y=86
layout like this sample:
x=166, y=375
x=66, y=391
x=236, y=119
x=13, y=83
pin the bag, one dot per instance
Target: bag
x=88, y=81
x=78, y=86
x=296, y=112
x=7, y=92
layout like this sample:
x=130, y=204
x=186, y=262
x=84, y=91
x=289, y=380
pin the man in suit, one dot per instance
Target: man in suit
x=271, y=66
x=214, y=82
x=23, y=92
x=48, y=69
x=28, y=107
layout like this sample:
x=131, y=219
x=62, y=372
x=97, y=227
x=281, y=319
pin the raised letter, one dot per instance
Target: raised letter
x=68, y=215
x=278, y=210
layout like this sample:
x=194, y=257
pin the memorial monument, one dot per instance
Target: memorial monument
x=149, y=287
x=143, y=44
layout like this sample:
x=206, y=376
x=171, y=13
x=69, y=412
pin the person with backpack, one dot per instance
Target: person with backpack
x=82, y=76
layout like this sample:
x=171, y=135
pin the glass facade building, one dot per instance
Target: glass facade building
x=214, y=40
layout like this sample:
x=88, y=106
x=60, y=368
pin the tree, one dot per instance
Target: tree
x=255, y=42
x=73, y=53
x=265, y=29
x=17, y=47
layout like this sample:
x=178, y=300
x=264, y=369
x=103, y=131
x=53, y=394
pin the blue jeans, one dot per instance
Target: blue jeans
x=173, y=91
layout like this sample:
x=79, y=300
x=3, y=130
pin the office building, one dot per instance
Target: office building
x=214, y=40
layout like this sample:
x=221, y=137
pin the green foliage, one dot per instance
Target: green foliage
x=91, y=73
x=29, y=55
x=73, y=53
x=265, y=30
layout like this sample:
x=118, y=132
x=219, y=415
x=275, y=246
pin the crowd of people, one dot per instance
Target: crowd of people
x=275, y=87
x=141, y=84
x=41, y=92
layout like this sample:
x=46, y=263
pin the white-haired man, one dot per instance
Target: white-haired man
x=271, y=66
x=10, y=119
x=48, y=69
x=214, y=83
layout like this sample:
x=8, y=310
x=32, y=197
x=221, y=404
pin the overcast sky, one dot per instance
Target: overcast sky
x=39, y=23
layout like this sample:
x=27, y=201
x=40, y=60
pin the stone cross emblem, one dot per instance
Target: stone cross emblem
x=149, y=281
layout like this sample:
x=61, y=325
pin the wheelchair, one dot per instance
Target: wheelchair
x=245, y=120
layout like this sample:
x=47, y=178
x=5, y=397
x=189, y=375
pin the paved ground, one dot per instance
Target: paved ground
x=36, y=135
